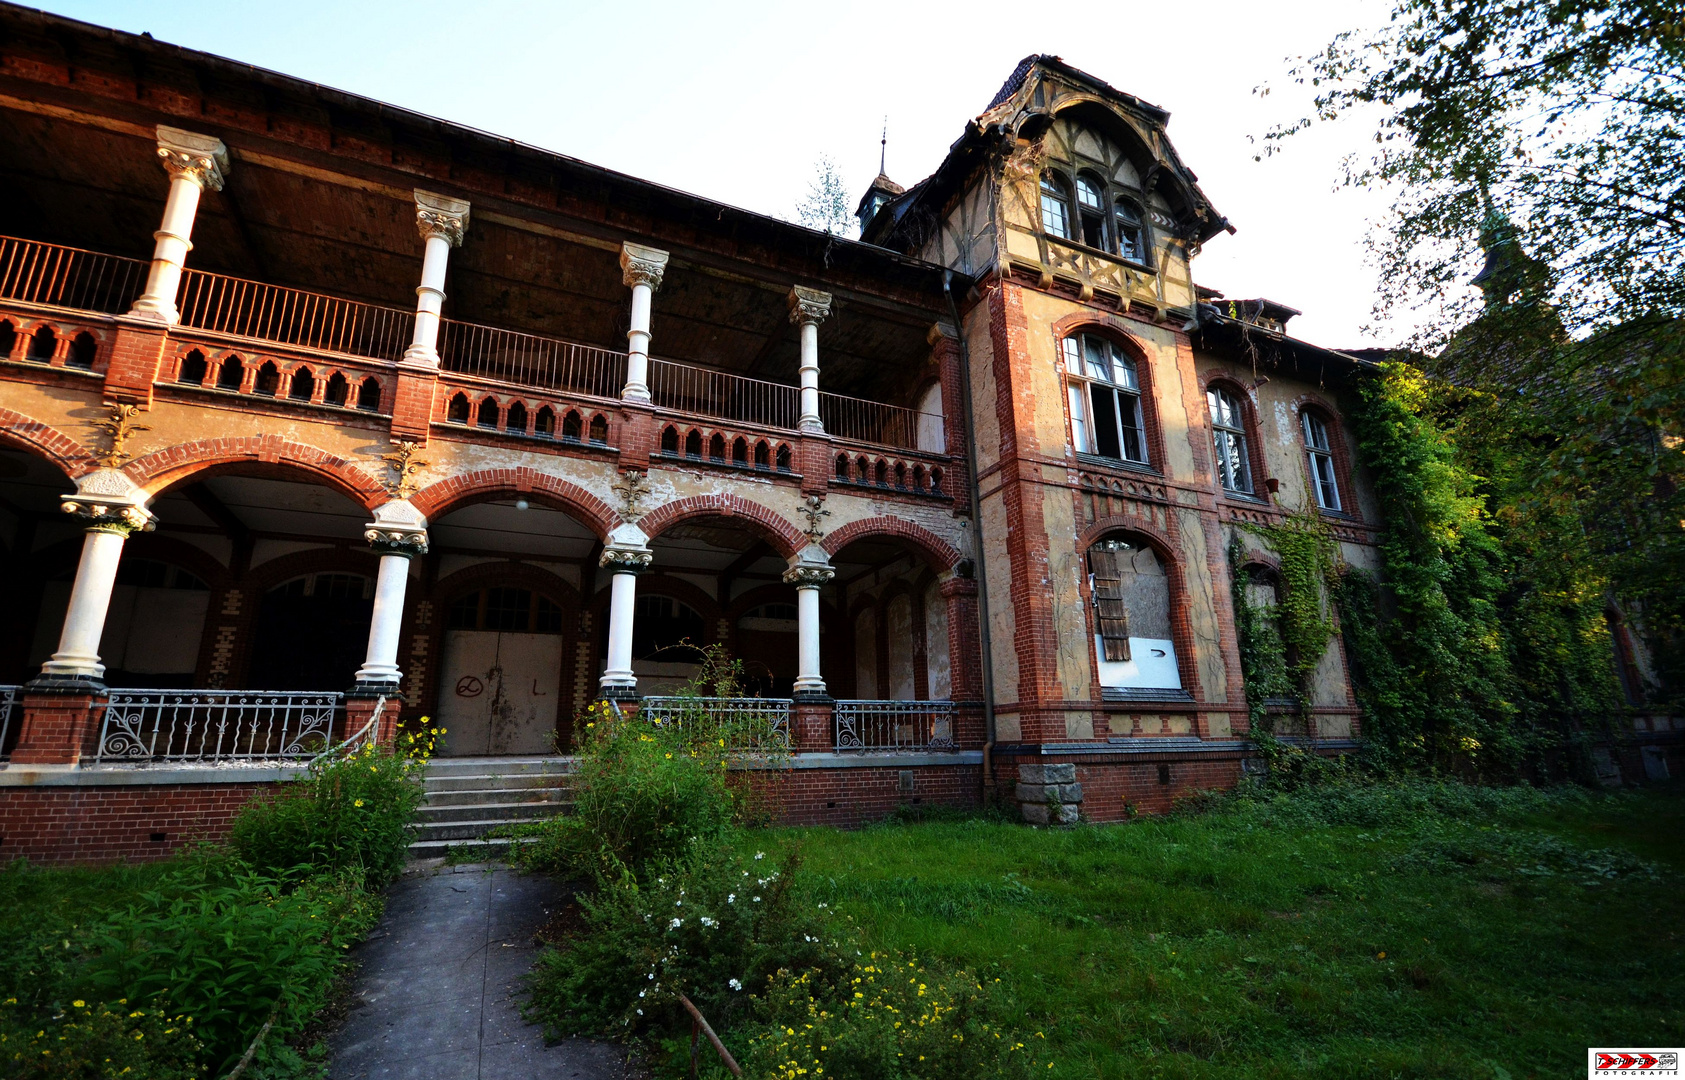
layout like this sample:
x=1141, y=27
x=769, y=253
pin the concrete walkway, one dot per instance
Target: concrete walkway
x=439, y=993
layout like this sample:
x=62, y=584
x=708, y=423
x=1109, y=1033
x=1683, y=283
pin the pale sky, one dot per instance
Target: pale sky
x=736, y=101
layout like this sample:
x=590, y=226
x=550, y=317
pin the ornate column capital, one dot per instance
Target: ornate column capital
x=187, y=155
x=640, y=265
x=440, y=215
x=809, y=305
x=622, y=560
x=108, y=501
x=398, y=528
x=809, y=575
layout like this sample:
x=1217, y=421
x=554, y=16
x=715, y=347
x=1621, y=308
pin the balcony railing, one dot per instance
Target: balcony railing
x=67, y=277
x=10, y=696
x=228, y=305
x=529, y=360
x=211, y=727
x=747, y=723
x=895, y=725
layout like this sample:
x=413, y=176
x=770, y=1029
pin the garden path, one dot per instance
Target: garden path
x=439, y=994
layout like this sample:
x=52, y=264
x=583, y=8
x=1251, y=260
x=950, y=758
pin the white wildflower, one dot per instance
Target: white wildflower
x=755, y=899
x=735, y=985
x=760, y=855
x=675, y=924
x=731, y=898
x=706, y=921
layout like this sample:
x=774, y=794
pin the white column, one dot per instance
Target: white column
x=642, y=269
x=441, y=221
x=194, y=163
x=398, y=533
x=807, y=578
x=808, y=308
x=90, y=596
x=626, y=564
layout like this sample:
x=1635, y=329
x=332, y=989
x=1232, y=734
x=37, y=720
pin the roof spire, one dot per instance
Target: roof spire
x=883, y=146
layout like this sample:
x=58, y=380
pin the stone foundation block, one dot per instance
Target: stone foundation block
x=1047, y=774
x=1050, y=813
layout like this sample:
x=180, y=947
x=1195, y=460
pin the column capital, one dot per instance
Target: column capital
x=623, y=560
x=810, y=568
x=187, y=155
x=440, y=215
x=809, y=305
x=398, y=528
x=640, y=265
x=108, y=501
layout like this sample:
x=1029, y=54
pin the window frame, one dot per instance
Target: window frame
x=1242, y=428
x=1064, y=193
x=1081, y=388
x=1055, y=193
x=1322, y=470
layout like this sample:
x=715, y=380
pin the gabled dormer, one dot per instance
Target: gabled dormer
x=1064, y=177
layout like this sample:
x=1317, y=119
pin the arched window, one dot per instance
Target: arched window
x=1131, y=236
x=1131, y=595
x=1055, y=206
x=268, y=379
x=41, y=346
x=338, y=389
x=670, y=440
x=783, y=460
x=763, y=455
x=368, y=395
x=716, y=448
x=303, y=384
x=457, y=413
x=693, y=444
x=572, y=425
x=598, y=431
x=82, y=350
x=545, y=423
x=487, y=417
x=1105, y=399
x=8, y=337
x=517, y=420
x=193, y=369
x=1091, y=209
x=740, y=453
x=230, y=373
x=1319, y=458
x=1228, y=428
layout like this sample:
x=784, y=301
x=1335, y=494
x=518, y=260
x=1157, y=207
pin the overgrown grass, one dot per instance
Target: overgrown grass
x=1382, y=931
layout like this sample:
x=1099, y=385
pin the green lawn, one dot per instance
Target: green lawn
x=1420, y=932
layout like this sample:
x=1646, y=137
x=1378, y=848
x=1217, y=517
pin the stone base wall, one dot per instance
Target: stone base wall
x=132, y=822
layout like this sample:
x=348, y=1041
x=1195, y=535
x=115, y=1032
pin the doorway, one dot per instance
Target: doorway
x=500, y=674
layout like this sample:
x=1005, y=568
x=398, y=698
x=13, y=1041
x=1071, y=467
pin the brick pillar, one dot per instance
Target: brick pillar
x=638, y=435
x=816, y=460
x=965, y=656
x=58, y=728
x=359, y=709
x=945, y=350
x=412, y=404
x=136, y=351
x=811, y=726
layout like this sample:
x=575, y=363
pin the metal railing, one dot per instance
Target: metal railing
x=67, y=277
x=702, y=392
x=10, y=696
x=749, y=723
x=216, y=726
x=530, y=360
x=228, y=305
x=875, y=422
x=895, y=725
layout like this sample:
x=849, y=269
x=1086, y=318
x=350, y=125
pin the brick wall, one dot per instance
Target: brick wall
x=856, y=796
x=107, y=824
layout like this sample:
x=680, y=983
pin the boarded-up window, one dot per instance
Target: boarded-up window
x=1111, y=615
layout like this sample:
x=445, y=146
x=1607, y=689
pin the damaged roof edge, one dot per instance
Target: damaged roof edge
x=702, y=210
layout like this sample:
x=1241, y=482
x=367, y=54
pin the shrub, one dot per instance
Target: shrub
x=713, y=926
x=889, y=1018
x=97, y=1040
x=350, y=812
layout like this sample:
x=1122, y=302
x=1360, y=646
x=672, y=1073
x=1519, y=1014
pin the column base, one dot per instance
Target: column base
x=638, y=393
x=369, y=689
x=618, y=692
x=811, y=425
x=65, y=683
x=154, y=311
x=812, y=697
x=420, y=354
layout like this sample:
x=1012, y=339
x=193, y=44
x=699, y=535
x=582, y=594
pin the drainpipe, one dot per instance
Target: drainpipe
x=983, y=640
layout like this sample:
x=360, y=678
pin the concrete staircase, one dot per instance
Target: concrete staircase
x=470, y=797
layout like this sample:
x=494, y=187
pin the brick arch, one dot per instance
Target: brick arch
x=32, y=436
x=785, y=538
x=940, y=554
x=164, y=468
x=465, y=489
x=521, y=575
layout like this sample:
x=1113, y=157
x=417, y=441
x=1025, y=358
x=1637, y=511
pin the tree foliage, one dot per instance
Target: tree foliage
x=826, y=205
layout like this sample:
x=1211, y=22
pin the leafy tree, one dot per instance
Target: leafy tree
x=826, y=205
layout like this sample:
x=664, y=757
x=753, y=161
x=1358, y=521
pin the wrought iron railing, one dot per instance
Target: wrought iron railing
x=530, y=360
x=895, y=725
x=216, y=726
x=67, y=277
x=747, y=723
x=228, y=305
x=875, y=422
x=704, y=392
x=10, y=697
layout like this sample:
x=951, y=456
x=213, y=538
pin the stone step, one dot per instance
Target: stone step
x=479, y=811
x=472, y=829
x=445, y=766
x=476, y=850
x=474, y=796
x=493, y=781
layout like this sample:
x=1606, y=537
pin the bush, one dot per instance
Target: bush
x=713, y=926
x=349, y=813
x=97, y=1040
x=889, y=1018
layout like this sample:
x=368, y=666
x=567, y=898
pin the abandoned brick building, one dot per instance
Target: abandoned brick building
x=317, y=414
